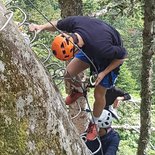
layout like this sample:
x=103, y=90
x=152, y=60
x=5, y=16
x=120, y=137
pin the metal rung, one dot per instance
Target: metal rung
x=78, y=111
x=25, y=16
x=47, y=49
x=6, y=23
x=83, y=136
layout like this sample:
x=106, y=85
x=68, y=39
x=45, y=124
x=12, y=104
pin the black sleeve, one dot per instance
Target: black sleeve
x=113, y=93
x=66, y=24
x=120, y=92
x=117, y=91
x=109, y=50
x=127, y=97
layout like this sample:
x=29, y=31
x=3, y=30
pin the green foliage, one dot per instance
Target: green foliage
x=132, y=38
x=151, y=152
x=125, y=80
x=90, y=6
x=125, y=149
x=49, y=9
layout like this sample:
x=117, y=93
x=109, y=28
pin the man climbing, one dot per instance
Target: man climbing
x=101, y=47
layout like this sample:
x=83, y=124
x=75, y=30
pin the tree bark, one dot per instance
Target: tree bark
x=71, y=7
x=33, y=118
x=146, y=75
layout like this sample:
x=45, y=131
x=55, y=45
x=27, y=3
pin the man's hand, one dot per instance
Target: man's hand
x=35, y=27
x=115, y=63
x=48, y=26
x=100, y=76
x=117, y=101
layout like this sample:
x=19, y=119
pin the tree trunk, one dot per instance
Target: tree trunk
x=80, y=119
x=70, y=8
x=33, y=118
x=146, y=75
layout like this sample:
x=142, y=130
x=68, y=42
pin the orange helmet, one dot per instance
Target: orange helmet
x=63, y=47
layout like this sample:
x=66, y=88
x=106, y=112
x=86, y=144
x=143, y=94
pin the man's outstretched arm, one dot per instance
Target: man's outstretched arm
x=47, y=26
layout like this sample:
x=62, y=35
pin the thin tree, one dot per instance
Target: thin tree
x=146, y=75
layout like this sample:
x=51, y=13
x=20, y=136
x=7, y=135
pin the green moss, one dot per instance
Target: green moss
x=13, y=131
x=22, y=136
x=43, y=141
x=12, y=134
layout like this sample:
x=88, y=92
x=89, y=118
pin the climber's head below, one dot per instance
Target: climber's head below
x=105, y=120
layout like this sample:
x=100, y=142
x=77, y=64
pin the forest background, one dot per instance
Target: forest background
x=127, y=18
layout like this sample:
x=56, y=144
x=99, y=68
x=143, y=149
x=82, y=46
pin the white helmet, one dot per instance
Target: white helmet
x=105, y=119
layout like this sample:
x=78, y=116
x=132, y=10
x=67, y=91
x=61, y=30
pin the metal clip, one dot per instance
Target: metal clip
x=92, y=79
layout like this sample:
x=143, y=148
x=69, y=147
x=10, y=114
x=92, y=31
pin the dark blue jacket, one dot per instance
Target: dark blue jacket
x=110, y=143
x=102, y=43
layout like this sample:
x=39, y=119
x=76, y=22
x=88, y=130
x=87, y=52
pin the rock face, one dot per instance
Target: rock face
x=33, y=118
